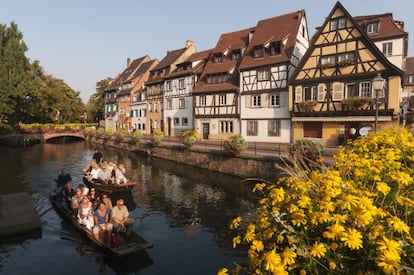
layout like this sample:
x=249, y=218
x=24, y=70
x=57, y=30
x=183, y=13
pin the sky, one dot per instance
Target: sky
x=85, y=41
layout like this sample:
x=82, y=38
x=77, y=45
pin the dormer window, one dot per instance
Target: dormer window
x=258, y=51
x=218, y=58
x=372, y=28
x=275, y=48
x=338, y=23
x=410, y=79
x=236, y=55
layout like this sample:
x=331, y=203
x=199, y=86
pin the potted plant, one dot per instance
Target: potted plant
x=188, y=138
x=307, y=106
x=156, y=137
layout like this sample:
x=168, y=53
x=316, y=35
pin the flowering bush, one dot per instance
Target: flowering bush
x=119, y=136
x=234, y=144
x=136, y=137
x=188, y=138
x=355, y=217
x=156, y=137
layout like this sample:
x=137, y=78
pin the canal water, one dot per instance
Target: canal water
x=182, y=210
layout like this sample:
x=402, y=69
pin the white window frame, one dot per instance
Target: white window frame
x=252, y=128
x=372, y=28
x=274, y=100
x=365, y=89
x=203, y=100
x=181, y=84
x=274, y=128
x=387, y=48
x=226, y=126
x=184, y=121
x=181, y=103
x=263, y=75
x=256, y=101
x=223, y=99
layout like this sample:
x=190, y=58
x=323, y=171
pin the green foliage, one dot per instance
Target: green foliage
x=188, y=138
x=308, y=150
x=234, y=144
x=136, y=137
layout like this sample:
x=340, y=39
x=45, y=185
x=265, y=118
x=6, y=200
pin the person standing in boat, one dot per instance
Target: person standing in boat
x=120, y=218
x=97, y=156
x=62, y=179
x=67, y=194
x=85, y=215
x=101, y=220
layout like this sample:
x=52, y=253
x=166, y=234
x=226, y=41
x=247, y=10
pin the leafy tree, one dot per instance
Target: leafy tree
x=95, y=105
x=16, y=85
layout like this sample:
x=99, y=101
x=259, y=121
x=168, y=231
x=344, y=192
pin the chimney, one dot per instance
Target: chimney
x=188, y=43
x=128, y=61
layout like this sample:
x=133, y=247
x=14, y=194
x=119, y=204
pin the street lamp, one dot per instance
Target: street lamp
x=377, y=84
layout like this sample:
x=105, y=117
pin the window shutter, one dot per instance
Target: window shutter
x=321, y=92
x=338, y=92
x=298, y=94
x=247, y=101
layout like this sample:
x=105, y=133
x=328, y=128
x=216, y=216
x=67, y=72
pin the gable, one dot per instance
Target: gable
x=341, y=48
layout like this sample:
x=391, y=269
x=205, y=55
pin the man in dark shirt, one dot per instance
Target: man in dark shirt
x=62, y=179
x=97, y=156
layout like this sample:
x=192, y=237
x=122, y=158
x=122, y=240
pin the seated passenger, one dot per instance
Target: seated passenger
x=104, y=174
x=76, y=200
x=85, y=190
x=67, y=194
x=106, y=200
x=101, y=220
x=85, y=211
x=93, y=174
x=120, y=218
x=93, y=197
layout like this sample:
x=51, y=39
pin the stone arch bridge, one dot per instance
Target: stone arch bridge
x=38, y=137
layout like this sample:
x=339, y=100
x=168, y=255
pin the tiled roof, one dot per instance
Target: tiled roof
x=237, y=40
x=124, y=92
x=387, y=26
x=143, y=68
x=280, y=28
x=169, y=59
x=409, y=65
x=197, y=56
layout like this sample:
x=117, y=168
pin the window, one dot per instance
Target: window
x=410, y=79
x=169, y=85
x=258, y=52
x=351, y=90
x=387, y=48
x=346, y=58
x=236, y=55
x=274, y=127
x=310, y=93
x=176, y=121
x=226, y=126
x=338, y=23
x=181, y=83
x=168, y=104
x=223, y=100
x=263, y=75
x=184, y=121
x=219, y=78
x=203, y=100
x=218, y=58
x=328, y=60
x=275, y=100
x=256, y=101
x=275, y=48
x=252, y=128
x=372, y=28
x=181, y=103
x=365, y=89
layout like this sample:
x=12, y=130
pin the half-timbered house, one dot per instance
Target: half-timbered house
x=138, y=95
x=332, y=91
x=274, y=51
x=178, y=98
x=216, y=94
x=155, y=86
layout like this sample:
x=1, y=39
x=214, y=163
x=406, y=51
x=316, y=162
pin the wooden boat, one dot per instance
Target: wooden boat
x=109, y=188
x=129, y=244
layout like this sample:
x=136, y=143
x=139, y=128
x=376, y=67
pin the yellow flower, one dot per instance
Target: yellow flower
x=349, y=202
x=272, y=260
x=236, y=241
x=390, y=245
x=375, y=232
x=299, y=218
x=304, y=201
x=288, y=256
x=334, y=231
x=259, y=187
x=332, y=265
x=280, y=238
x=277, y=194
x=257, y=245
x=302, y=272
x=389, y=262
x=318, y=250
x=249, y=236
x=235, y=223
x=223, y=271
x=398, y=225
x=383, y=187
x=352, y=238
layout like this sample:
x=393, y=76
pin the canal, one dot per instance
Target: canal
x=182, y=210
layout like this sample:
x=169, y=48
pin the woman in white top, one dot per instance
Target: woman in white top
x=85, y=215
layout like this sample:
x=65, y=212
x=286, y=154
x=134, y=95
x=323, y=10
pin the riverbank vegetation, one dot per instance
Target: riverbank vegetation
x=355, y=217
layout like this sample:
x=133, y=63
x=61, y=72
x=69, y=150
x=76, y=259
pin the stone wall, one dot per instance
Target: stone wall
x=241, y=166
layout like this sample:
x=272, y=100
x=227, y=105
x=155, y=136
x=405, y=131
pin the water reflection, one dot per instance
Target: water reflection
x=182, y=210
